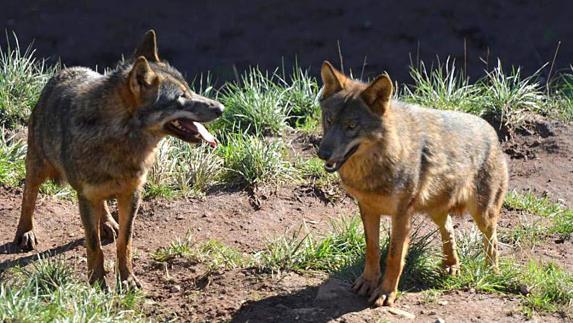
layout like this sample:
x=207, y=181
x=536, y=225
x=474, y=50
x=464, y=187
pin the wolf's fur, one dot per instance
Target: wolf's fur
x=98, y=133
x=399, y=159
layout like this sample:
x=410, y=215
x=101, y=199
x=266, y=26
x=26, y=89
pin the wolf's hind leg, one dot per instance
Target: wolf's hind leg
x=451, y=262
x=487, y=224
x=108, y=226
x=37, y=171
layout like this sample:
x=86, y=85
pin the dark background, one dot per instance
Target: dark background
x=217, y=35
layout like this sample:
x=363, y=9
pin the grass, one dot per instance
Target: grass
x=48, y=290
x=251, y=160
x=212, y=253
x=560, y=217
x=183, y=169
x=22, y=77
x=542, y=287
x=254, y=106
x=12, y=157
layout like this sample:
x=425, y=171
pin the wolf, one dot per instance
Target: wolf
x=400, y=159
x=99, y=133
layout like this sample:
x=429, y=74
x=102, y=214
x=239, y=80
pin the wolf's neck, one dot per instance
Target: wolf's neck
x=376, y=167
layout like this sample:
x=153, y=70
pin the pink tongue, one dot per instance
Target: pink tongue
x=205, y=134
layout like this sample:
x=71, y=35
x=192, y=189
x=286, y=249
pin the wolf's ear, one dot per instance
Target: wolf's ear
x=332, y=79
x=143, y=82
x=378, y=94
x=148, y=47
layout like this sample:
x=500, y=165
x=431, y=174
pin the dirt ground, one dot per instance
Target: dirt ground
x=219, y=36
x=181, y=289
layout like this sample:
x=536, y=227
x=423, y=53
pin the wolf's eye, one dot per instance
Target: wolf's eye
x=351, y=125
x=328, y=120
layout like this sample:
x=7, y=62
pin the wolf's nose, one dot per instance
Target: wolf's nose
x=324, y=154
x=219, y=110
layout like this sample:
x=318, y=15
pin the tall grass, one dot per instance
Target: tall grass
x=22, y=77
x=443, y=87
x=251, y=160
x=184, y=168
x=256, y=105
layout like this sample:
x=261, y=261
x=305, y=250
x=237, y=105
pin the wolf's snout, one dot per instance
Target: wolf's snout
x=324, y=153
x=219, y=109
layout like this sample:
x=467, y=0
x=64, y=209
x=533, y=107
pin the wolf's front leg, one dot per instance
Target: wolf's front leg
x=128, y=205
x=385, y=294
x=369, y=279
x=91, y=212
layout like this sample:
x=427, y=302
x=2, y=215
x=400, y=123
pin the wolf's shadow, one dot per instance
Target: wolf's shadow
x=11, y=248
x=323, y=303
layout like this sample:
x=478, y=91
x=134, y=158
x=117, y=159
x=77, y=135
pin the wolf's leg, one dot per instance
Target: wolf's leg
x=108, y=227
x=451, y=260
x=37, y=172
x=487, y=224
x=370, y=278
x=128, y=205
x=385, y=294
x=90, y=213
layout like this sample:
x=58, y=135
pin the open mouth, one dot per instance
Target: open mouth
x=333, y=166
x=190, y=131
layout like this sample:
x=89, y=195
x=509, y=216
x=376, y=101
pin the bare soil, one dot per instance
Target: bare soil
x=180, y=289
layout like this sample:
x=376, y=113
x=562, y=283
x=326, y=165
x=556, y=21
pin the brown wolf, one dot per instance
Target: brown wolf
x=99, y=133
x=398, y=159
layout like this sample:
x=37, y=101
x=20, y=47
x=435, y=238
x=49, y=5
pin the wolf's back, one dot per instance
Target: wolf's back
x=67, y=93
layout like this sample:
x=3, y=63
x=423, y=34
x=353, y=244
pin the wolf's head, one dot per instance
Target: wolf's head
x=161, y=99
x=352, y=114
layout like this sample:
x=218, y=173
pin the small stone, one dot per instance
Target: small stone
x=402, y=313
x=443, y=303
x=440, y=320
x=179, y=217
x=175, y=289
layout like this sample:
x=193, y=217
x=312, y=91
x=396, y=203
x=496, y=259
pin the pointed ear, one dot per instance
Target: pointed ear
x=148, y=47
x=332, y=79
x=143, y=82
x=378, y=94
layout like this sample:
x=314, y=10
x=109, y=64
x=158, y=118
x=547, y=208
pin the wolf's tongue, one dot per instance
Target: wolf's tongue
x=204, y=133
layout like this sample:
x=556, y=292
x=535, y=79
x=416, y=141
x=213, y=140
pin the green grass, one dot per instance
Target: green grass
x=543, y=288
x=255, y=106
x=560, y=217
x=183, y=169
x=214, y=254
x=443, y=87
x=250, y=161
x=12, y=159
x=22, y=77
x=48, y=290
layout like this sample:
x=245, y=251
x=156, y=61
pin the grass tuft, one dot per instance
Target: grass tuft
x=22, y=78
x=251, y=160
x=48, y=290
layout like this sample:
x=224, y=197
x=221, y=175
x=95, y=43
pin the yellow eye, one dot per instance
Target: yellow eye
x=351, y=125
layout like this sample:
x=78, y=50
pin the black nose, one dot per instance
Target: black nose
x=219, y=110
x=324, y=154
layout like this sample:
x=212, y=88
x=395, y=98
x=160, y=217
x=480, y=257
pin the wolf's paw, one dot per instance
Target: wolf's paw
x=131, y=283
x=381, y=298
x=364, y=286
x=452, y=270
x=26, y=240
x=109, y=230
